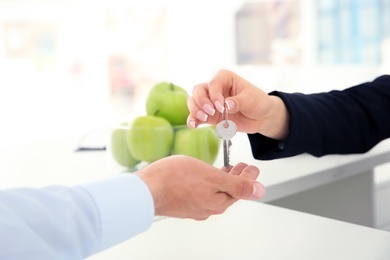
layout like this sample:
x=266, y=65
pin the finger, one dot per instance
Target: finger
x=238, y=168
x=195, y=110
x=226, y=169
x=219, y=88
x=200, y=96
x=193, y=122
x=251, y=172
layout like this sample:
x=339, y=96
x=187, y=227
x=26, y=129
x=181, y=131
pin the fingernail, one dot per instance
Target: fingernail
x=192, y=124
x=202, y=115
x=209, y=109
x=219, y=106
x=230, y=104
x=258, y=190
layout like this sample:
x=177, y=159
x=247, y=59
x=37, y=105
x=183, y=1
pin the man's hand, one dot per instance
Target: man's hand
x=185, y=187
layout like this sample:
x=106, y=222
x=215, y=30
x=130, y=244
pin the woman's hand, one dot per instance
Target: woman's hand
x=251, y=109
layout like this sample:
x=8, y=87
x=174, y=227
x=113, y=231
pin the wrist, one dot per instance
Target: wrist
x=276, y=122
x=153, y=185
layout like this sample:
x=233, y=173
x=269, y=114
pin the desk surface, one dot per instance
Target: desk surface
x=250, y=230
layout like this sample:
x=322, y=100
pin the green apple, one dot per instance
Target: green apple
x=168, y=101
x=120, y=151
x=201, y=143
x=150, y=138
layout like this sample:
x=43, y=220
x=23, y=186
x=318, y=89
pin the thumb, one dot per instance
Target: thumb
x=245, y=188
x=247, y=99
x=241, y=102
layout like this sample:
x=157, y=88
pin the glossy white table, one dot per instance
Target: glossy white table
x=250, y=230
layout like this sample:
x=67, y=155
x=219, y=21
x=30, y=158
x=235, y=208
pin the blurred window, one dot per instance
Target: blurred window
x=352, y=31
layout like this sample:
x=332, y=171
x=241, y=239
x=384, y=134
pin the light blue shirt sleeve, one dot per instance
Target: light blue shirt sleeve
x=60, y=222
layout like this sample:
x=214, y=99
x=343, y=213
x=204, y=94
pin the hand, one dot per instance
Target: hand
x=253, y=110
x=185, y=187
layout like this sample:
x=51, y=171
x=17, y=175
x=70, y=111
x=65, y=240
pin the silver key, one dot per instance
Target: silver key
x=226, y=129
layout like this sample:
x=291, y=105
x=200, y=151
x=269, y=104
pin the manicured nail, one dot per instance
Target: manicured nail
x=230, y=104
x=209, y=109
x=258, y=190
x=219, y=106
x=202, y=115
x=192, y=124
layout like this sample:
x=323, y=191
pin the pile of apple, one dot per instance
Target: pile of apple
x=163, y=131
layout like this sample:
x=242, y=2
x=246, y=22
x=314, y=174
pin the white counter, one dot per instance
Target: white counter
x=252, y=231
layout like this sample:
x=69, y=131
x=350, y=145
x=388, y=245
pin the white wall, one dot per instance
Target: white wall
x=200, y=39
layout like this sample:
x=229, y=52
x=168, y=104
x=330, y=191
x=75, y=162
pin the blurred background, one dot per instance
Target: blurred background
x=71, y=66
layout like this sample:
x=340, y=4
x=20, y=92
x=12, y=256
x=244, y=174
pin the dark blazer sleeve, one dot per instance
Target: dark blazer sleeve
x=337, y=122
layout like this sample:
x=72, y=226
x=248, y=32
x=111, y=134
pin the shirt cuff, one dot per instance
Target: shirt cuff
x=125, y=206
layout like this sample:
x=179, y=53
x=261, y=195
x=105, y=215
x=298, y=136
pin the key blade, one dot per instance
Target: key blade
x=229, y=144
x=226, y=154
